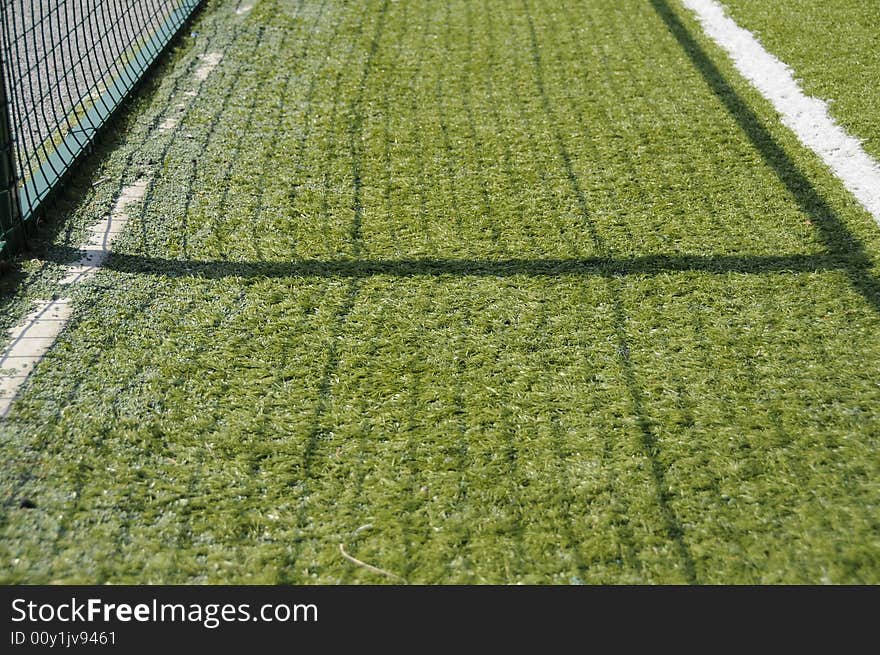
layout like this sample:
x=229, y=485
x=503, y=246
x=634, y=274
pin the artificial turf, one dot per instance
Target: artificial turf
x=486, y=292
x=833, y=47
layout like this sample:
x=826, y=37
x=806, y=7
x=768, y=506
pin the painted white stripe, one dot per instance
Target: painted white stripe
x=104, y=233
x=35, y=335
x=30, y=340
x=210, y=61
x=172, y=120
x=168, y=124
x=806, y=116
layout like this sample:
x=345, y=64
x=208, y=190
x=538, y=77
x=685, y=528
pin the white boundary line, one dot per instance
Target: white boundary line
x=806, y=116
x=31, y=339
x=210, y=61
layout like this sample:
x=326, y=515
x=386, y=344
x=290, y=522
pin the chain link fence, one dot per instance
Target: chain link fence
x=65, y=67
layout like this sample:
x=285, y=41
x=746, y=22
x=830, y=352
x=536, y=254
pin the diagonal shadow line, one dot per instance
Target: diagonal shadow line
x=648, y=440
x=316, y=433
x=435, y=267
x=650, y=443
x=832, y=231
x=562, y=151
x=356, y=132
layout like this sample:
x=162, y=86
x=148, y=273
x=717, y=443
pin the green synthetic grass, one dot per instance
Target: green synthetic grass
x=483, y=291
x=834, y=49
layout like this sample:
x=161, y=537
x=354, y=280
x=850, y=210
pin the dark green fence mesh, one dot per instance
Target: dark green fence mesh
x=67, y=65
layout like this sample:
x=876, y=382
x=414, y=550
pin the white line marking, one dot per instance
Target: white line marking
x=30, y=340
x=171, y=121
x=806, y=116
x=209, y=63
x=104, y=233
x=168, y=124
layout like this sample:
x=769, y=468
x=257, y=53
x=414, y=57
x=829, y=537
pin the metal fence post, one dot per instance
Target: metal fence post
x=12, y=239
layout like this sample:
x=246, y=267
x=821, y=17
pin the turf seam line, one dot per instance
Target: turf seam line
x=806, y=116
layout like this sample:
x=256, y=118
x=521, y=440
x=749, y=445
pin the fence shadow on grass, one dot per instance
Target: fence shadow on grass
x=843, y=253
x=438, y=267
x=839, y=241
